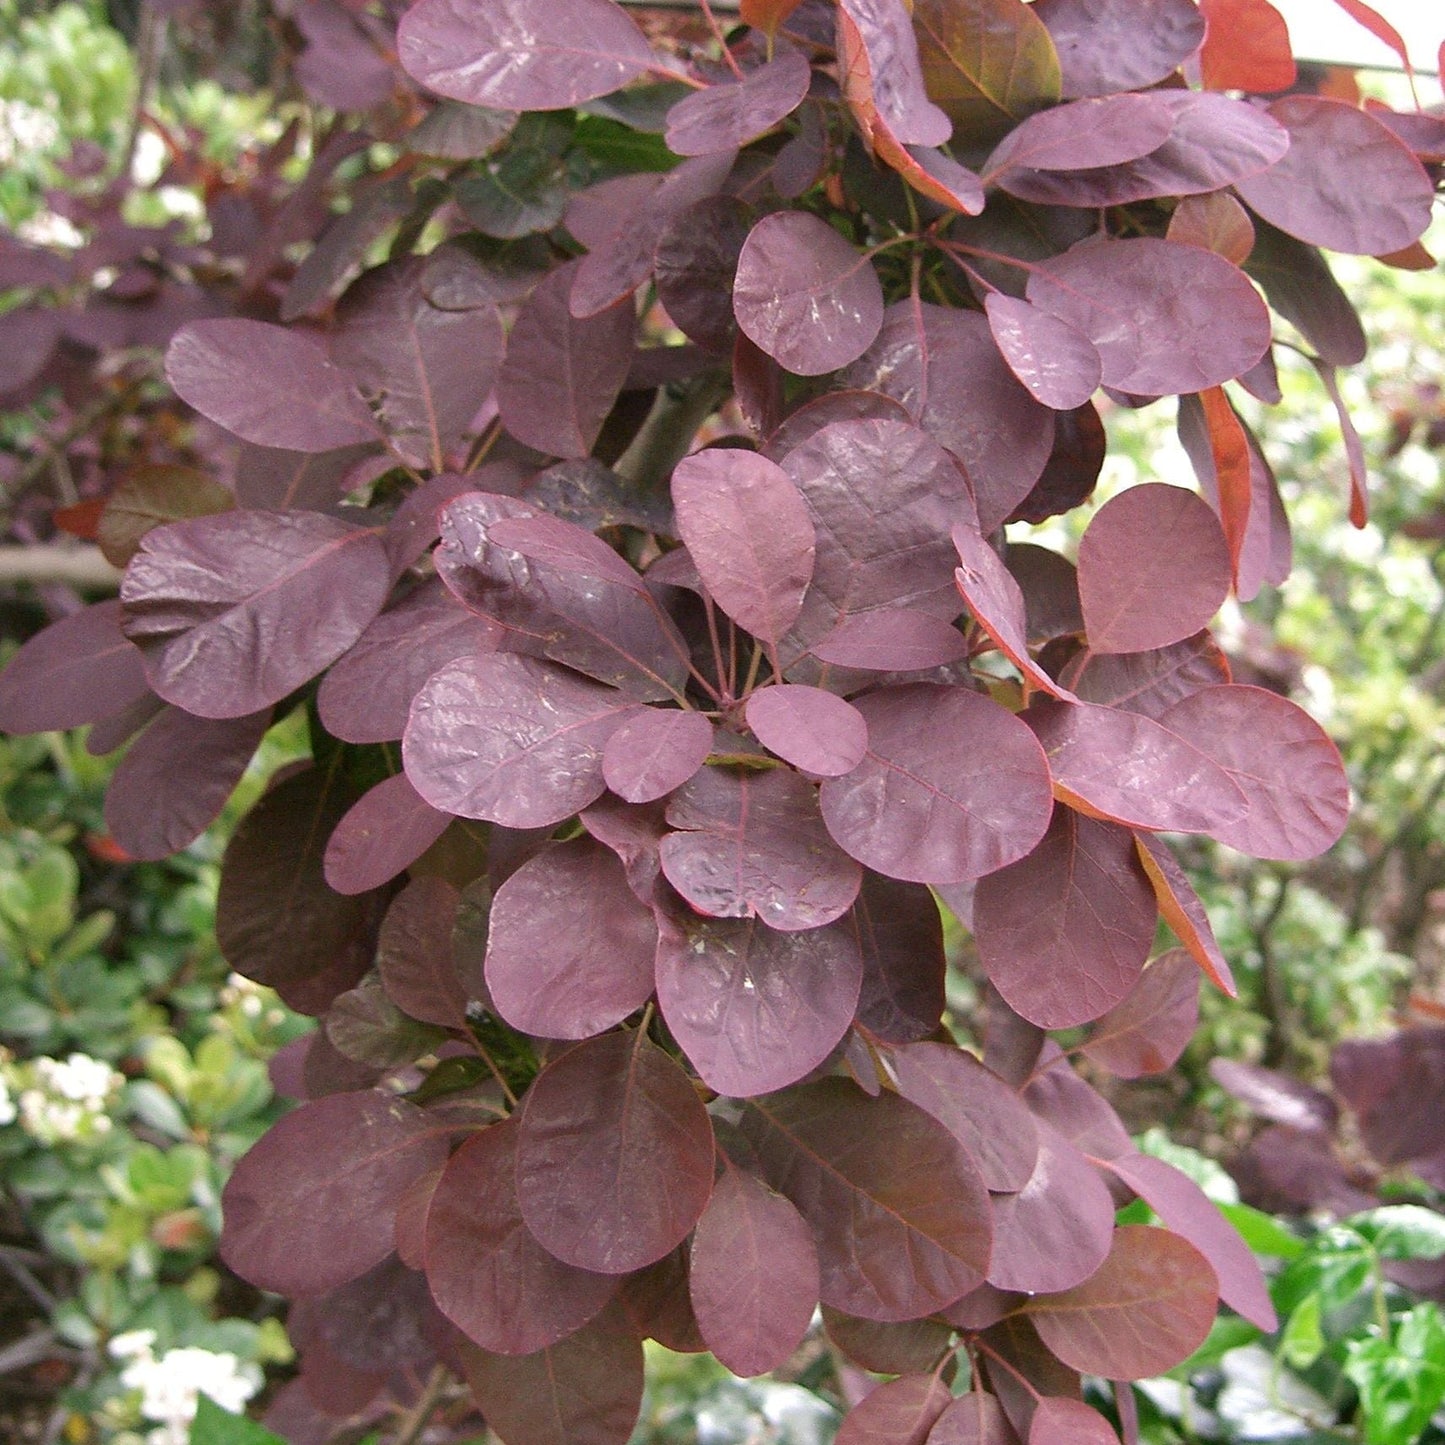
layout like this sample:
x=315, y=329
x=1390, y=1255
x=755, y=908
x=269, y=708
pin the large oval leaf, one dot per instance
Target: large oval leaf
x=754, y=1009
x=516, y=55
x=569, y=947
x=899, y=1213
x=900, y=932
x=383, y=834
x=727, y=116
x=817, y=731
x=486, y=1272
x=235, y=611
x=313, y=1204
x=1057, y=363
x=655, y=751
x=951, y=787
x=897, y=1412
x=1084, y=134
x=1110, y=45
x=615, y=1158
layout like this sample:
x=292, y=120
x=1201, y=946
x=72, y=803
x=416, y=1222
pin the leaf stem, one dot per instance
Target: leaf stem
x=415, y=1420
x=721, y=39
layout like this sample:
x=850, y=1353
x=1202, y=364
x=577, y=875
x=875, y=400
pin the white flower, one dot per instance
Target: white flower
x=67, y=1100
x=132, y=1343
x=170, y=1386
x=25, y=127
x=7, y=1105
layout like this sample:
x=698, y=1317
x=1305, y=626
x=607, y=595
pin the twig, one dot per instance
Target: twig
x=16, y=1266
x=415, y=1421
x=668, y=432
x=149, y=43
x=80, y=566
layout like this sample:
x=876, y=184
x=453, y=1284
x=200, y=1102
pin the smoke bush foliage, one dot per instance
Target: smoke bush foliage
x=634, y=538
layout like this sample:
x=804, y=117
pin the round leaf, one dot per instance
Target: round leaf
x=728, y=116
x=655, y=751
x=816, y=731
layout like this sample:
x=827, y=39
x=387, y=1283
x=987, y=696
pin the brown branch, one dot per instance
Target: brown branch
x=79, y=566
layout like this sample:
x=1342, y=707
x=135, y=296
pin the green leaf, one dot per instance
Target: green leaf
x=1303, y=1340
x=1337, y=1265
x=215, y=1426
x=1263, y=1233
x=1401, y=1380
x=1403, y=1231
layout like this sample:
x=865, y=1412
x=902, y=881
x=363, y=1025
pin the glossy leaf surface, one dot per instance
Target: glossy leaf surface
x=1058, y=364
x=1110, y=45
x=726, y=116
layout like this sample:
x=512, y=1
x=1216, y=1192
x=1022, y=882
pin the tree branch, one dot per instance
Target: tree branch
x=80, y=566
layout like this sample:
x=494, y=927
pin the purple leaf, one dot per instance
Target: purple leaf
x=694, y=265
x=1300, y=286
x=754, y=1009
x=804, y=295
x=911, y=1348
x=235, y=611
x=1056, y=362
x=28, y=336
x=944, y=366
x=986, y=1116
x=565, y=546
x=951, y=787
x=268, y=385
x=899, y=1214
x=1109, y=45
x=312, y=1205
x=747, y=528
x=367, y=694
x=895, y=78
x=973, y=1418
x=426, y=371
x=1188, y=1211
x=728, y=116
x=76, y=671
x=1063, y=933
x=1129, y=769
x=1056, y=1231
x=1285, y=763
x=382, y=835
x=414, y=955
x=1150, y=682
x=753, y=1275
x=1181, y=909
x=1154, y=568
x=654, y=752
x=753, y=845
x=511, y=740
x=1062, y=1421
x=1061, y=1099
x=1083, y=135
x=1347, y=181
x=570, y=949
x=1381, y=1080
x=615, y=1158
x=562, y=374
x=272, y=480
x=175, y=779
x=1165, y=318
x=516, y=55
x=814, y=730
x=1050, y=584
x=1284, y=1100
x=490, y=1278
x=897, y=1412
x=893, y=639
x=809, y=419
x=1072, y=470
x=659, y=1307
x=633, y=834
x=900, y=934
x=1145, y=1032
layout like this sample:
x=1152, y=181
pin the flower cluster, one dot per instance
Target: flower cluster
x=171, y=1384
x=66, y=1101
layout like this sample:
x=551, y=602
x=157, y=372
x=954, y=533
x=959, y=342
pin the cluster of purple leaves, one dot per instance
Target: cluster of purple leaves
x=612, y=876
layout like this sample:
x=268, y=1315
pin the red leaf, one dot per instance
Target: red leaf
x=816, y=731
x=487, y=1274
x=569, y=947
x=1215, y=221
x=1154, y=568
x=383, y=834
x=1247, y=47
x=899, y=1214
x=1055, y=361
x=753, y=1275
x=897, y=1412
x=1379, y=27
x=894, y=79
x=1146, y=1309
x=1181, y=909
x=973, y=1418
x=1146, y=1032
x=1232, y=472
x=615, y=1157
x=767, y=15
x=81, y=520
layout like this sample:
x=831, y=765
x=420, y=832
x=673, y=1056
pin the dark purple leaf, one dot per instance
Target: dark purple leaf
x=910, y=1348
x=1300, y=286
x=486, y=1272
x=892, y=639
x=458, y=132
x=587, y=493
x=426, y=371
x=1276, y=1096
x=275, y=480
x=655, y=751
x=974, y=1418
x=986, y=1116
x=28, y=338
x=570, y=949
x=898, y=1211
x=1150, y=682
x=944, y=366
x=1072, y=470
x=615, y=1158
x=1061, y=1421
x=110, y=732
x=1392, y=1084
x=694, y=265
x=365, y=1027
x=1146, y=1032
x=809, y=419
x=951, y=787
x=383, y=834
x=1188, y=1211
x=517, y=56
x=585, y=1388
x=268, y=385
x=659, y=1305
x=312, y=1205
x=235, y=611
x=1286, y=765
x=725, y=117
x=754, y=1009
x=566, y=547
x=367, y=694
x=1056, y=362
x=804, y=295
x=748, y=531
x=414, y=954
x=882, y=496
x=1050, y=584
x=897, y=1412
x=1057, y=1230
x=1083, y=135
x=1148, y=1308
x=753, y=1275
x=900, y=934
x=175, y=779
x=509, y=739
x=1127, y=768
x=1109, y=45
x=562, y=374
x=77, y=671
x=1064, y=932
x=753, y=845
x=1181, y=909
x=814, y=730
x=1059, y=1097
x=1165, y=318
x=1347, y=182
